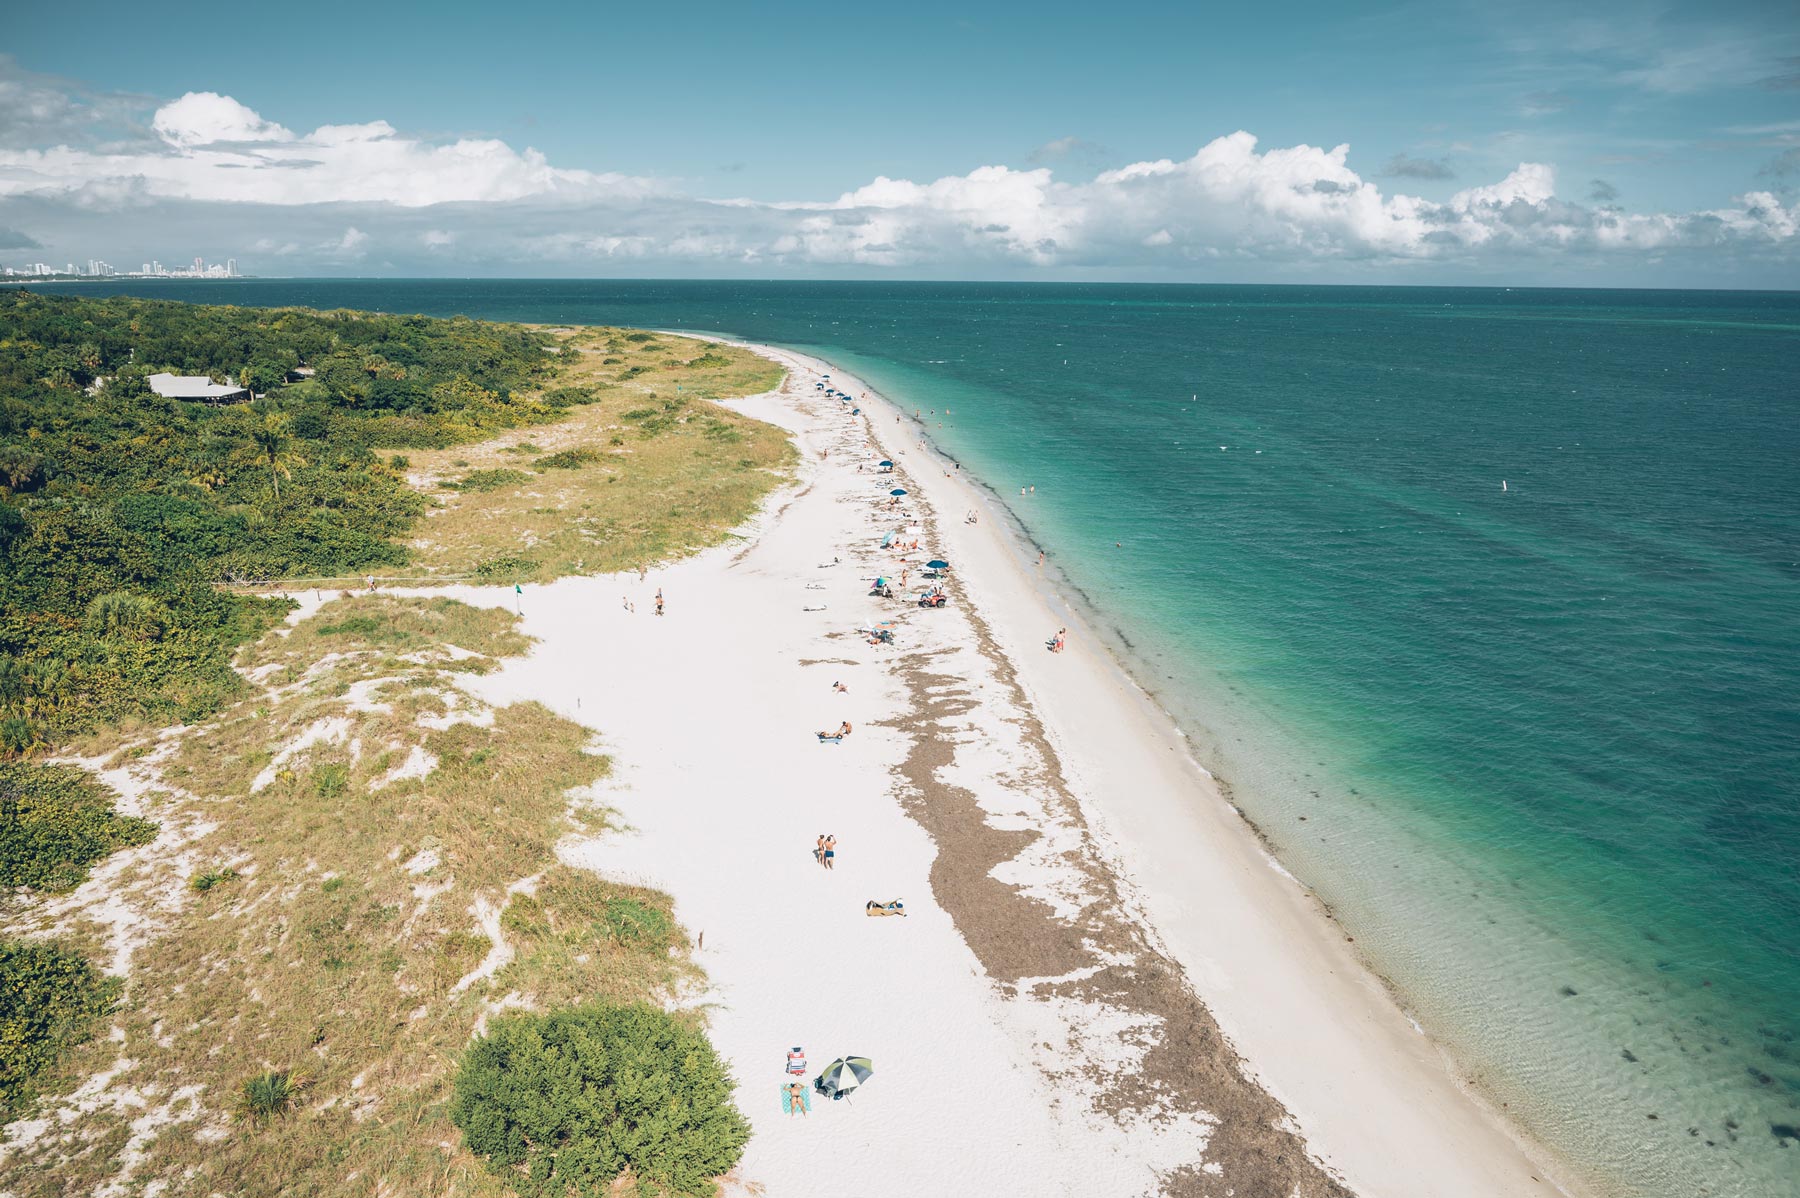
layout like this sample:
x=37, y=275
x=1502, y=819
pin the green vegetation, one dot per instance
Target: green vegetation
x=207, y=879
x=50, y=1000
x=55, y=821
x=568, y=459
x=270, y=1094
x=120, y=510
x=367, y=806
x=647, y=468
x=340, y=937
x=489, y=480
x=569, y=1102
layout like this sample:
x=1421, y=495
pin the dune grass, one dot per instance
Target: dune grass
x=644, y=468
x=343, y=929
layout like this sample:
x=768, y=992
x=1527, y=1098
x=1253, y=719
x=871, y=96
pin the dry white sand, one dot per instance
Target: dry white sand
x=981, y=1084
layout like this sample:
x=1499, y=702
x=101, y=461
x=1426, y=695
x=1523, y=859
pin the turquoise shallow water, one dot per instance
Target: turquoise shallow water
x=1538, y=747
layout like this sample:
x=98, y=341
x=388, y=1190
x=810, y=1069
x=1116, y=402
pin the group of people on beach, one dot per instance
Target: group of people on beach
x=631, y=608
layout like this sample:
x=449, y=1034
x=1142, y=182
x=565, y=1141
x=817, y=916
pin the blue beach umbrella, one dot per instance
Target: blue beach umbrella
x=884, y=462
x=937, y=563
x=898, y=491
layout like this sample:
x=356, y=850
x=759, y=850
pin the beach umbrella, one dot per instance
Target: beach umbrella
x=937, y=563
x=898, y=491
x=884, y=462
x=844, y=1075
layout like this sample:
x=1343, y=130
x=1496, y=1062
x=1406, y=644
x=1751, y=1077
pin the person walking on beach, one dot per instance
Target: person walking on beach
x=830, y=851
x=659, y=601
x=819, y=849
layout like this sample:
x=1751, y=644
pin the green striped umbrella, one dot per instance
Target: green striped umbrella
x=844, y=1075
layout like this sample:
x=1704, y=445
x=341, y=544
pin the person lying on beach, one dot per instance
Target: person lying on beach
x=843, y=730
x=796, y=1099
x=894, y=907
x=840, y=688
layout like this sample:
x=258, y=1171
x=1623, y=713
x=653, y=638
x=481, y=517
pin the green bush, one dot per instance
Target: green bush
x=55, y=821
x=330, y=779
x=505, y=568
x=270, y=1094
x=568, y=459
x=50, y=999
x=569, y=397
x=208, y=879
x=489, y=480
x=569, y=1102
x=630, y=922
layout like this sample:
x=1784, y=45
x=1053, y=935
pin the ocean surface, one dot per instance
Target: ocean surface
x=1485, y=603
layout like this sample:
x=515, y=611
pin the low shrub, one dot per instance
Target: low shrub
x=56, y=821
x=569, y=397
x=569, y=1102
x=504, y=568
x=568, y=459
x=50, y=1000
x=208, y=879
x=489, y=480
x=630, y=922
x=268, y=1095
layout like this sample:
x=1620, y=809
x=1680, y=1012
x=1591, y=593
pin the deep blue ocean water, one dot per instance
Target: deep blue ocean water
x=1538, y=746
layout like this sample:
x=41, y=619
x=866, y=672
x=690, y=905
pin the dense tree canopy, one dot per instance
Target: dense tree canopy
x=565, y=1103
x=120, y=509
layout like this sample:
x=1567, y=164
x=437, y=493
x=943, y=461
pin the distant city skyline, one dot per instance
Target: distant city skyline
x=1636, y=142
x=97, y=268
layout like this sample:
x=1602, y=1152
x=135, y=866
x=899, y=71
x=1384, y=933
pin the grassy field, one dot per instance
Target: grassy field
x=357, y=870
x=650, y=471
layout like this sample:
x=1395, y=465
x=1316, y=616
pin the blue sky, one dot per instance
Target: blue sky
x=1654, y=144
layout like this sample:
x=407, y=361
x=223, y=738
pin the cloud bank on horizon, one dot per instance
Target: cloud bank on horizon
x=366, y=198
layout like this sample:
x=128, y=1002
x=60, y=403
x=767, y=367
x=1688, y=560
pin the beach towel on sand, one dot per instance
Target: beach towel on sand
x=787, y=1101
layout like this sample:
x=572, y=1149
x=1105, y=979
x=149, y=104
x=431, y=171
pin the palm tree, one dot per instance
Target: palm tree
x=272, y=445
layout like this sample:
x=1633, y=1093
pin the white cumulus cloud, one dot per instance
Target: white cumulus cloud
x=206, y=118
x=341, y=192
x=217, y=149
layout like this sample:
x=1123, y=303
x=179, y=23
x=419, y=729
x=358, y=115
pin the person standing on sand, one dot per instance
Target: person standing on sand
x=819, y=849
x=830, y=850
x=1040, y=559
x=659, y=601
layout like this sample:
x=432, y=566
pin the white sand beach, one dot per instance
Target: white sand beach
x=1093, y=938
